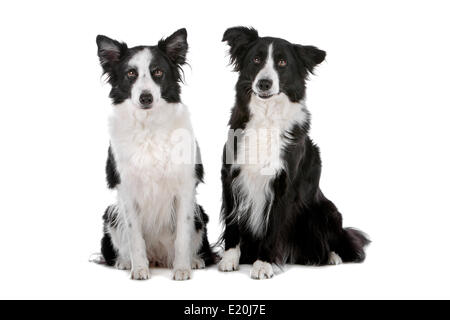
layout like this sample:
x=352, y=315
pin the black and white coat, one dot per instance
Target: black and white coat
x=153, y=162
x=273, y=209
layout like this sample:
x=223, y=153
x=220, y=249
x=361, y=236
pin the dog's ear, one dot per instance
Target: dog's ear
x=175, y=46
x=310, y=55
x=110, y=52
x=238, y=38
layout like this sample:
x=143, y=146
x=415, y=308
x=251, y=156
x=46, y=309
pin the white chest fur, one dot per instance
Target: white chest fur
x=144, y=143
x=259, y=157
x=152, y=173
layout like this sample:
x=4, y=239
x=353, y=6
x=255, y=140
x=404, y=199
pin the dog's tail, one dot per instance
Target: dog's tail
x=351, y=246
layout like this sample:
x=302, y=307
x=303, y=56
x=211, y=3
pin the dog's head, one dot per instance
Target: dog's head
x=270, y=66
x=144, y=75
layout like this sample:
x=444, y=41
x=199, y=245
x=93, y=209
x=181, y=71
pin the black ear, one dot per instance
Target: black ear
x=310, y=55
x=238, y=38
x=110, y=51
x=175, y=46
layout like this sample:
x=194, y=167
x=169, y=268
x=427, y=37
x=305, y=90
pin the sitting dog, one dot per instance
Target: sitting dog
x=153, y=162
x=273, y=209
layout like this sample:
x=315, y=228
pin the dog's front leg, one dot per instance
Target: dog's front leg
x=269, y=247
x=137, y=247
x=184, y=206
x=231, y=236
x=262, y=268
x=232, y=254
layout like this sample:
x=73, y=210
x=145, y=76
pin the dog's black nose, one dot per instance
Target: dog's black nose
x=264, y=84
x=146, y=99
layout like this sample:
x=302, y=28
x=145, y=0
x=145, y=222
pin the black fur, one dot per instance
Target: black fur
x=199, y=170
x=304, y=226
x=206, y=253
x=112, y=175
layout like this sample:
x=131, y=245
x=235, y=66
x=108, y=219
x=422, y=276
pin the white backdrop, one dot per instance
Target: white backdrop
x=380, y=111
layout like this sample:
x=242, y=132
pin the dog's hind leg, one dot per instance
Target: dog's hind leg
x=351, y=245
x=109, y=253
x=345, y=244
x=205, y=256
x=324, y=240
x=334, y=259
x=115, y=246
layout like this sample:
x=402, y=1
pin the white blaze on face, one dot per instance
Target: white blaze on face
x=268, y=73
x=144, y=83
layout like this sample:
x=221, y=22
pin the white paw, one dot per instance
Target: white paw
x=182, y=274
x=97, y=258
x=261, y=270
x=198, y=263
x=123, y=264
x=140, y=273
x=230, y=260
x=334, y=259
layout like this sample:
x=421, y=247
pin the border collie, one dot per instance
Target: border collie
x=153, y=162
x=273, y=209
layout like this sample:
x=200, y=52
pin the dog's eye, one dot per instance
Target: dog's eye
x=132, y=74
x=158, y=73
x=282, y=63
x=257, y=60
